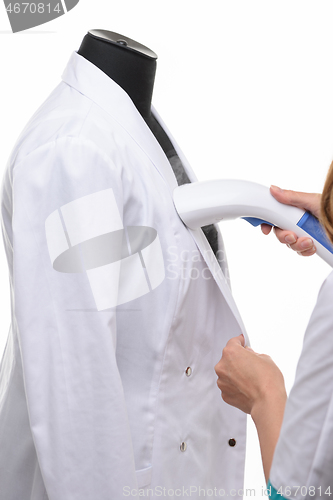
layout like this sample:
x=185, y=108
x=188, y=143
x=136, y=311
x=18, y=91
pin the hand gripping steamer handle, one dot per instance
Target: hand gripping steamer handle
x=201, y=203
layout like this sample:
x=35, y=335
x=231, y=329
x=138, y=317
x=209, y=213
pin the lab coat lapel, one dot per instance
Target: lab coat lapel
x=97, y=86
x=203, y=244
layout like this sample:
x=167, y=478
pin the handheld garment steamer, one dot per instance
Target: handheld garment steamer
x=201, y=203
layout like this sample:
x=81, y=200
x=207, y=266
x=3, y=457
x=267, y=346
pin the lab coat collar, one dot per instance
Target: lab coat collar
x=90, y=81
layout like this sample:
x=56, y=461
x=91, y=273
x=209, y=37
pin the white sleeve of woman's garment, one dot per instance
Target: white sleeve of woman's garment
x=303, y=460
x=67, y=207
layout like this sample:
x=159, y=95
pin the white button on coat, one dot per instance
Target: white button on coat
x=104, y=311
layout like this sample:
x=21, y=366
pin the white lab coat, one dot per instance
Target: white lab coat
x=302, y=466
x=96, y=398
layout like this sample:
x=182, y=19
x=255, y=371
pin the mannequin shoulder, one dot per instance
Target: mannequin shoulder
x=66, y=113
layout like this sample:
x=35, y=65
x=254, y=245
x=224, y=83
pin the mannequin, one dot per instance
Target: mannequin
x=133, y=67
x=108, y=371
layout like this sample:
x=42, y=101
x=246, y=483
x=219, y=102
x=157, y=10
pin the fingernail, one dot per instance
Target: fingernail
x=307, y=244
x=277, y=188
x=290, y=239
x=313, y=249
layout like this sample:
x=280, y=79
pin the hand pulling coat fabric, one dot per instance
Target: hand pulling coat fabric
x=302, y=466
x=107, y=383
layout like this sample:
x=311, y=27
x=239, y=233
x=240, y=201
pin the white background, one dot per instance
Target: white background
x=246, y=87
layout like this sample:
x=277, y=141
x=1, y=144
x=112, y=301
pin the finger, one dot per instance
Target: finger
x=240, y=340
x=219, y=384
x=287, y=237
x=265, y=356
x=303, y=245
x=266, y=228
x=308, y=253
x=307, y=201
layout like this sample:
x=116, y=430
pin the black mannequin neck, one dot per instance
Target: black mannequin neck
x=131, y=65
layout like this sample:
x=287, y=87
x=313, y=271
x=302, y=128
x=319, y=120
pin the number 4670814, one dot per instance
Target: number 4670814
x=33, y=8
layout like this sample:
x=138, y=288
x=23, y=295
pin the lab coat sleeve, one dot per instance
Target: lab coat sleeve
x=66, y=193
x=303, y=459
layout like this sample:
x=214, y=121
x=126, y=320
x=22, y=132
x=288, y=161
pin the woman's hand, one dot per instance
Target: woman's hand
x=247, y=379
x=306, y=201
x=253, y=383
